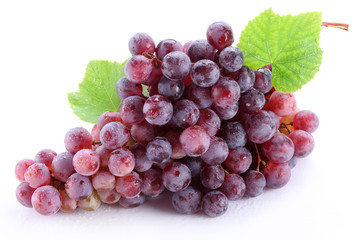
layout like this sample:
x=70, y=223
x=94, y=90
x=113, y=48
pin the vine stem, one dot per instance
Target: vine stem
x=259, y=158
x=343, y=26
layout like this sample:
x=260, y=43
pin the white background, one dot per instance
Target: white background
x=44, y=49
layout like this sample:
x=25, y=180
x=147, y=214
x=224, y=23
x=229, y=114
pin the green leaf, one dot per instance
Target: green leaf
x=97, y=91
x=289, y=43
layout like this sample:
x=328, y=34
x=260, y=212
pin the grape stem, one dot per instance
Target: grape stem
x=343, y=26
x=153, y=58
x=259, y=158
x=285, y=125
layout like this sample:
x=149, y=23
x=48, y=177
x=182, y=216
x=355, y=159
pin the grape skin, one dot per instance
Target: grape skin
x=24, y=193
x=37, y=175
x=214, y=203
x=176, y=176
x=46, y=200
x=303, y=143
x=158, y=150
x=201, y=49
x=126, y=88
x=78, y=187
x=187, y=201
x=121, y=162
x=114, y=135
x=173, y=137
x=186, y=113
x=67, y=204
x=225, y=93
x=109, y=196
x=176, y=65
x=234, y=134
x=158, y=110
x=166, y=46
x=194, y=141
x=95, y=133
x=103, y=180
x=209, y=121
x=86, y=162
x=205, y=73
x=132, y=202
x=217, y=152
x=220, y=35
x=108, y=117
x=142, y=162
x=138, y=69
x=276, y=174
x=233, y=187
x=172, y=89
x=260, y=127
x=152, y=182
x=104, y=155
x=129, y=186
x=255, y=183
x=306, y=120
x=226, y=113
x=245, y=77
x=131, y=110
x=212, y=177
x=141, y=43
x=231, y=58
x=252, y=101
x=21, y=168
x=77, y=139
x=263, y=80
x=282, y=104
x=279, y=148
x=91, y=203
x=45, y=156
x=142, y=132
x=62, y=166
x=238, y=160
x=201, y=96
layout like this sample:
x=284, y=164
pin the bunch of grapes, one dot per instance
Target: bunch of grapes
x=211, y=130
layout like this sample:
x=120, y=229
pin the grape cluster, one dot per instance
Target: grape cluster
x=211, y=130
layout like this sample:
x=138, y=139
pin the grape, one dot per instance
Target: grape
x=166, y=46
x=86, y=162
x=141, y=43
x=217, y=152
x=21, y=168
x=220, y=35
x=77, y=139
x=255, y=183
x=158, y=110
x=152, y=182
x=131, y=110
x=226, y=113
x=46, y=200
x=109, y=196
x=186, y=113
x=138, y=69
x=194, y=141
x=142, y=132
x=186, y=46
x=306, y=120
x=173, y=137
x=104, y=155
x=176, y=65
x=245, y=77
x=263, y=80
x=282, y=104
x=176, y=176
x=238, y=160
x=260, y=127
x=187, y=201
x=187, y=80
x=132, y=202
x=45, y=156
x=114, y=135
x=201, y=49
x=195, y=165
x=231, y=58
x=62, y=166
x=125, y=88
x=303, y=143
x=24, y=193
x=200, y=96
x=279, y=148
x=212, y=177
x=205, y=73
x=103, y=180
x=234, y=134
x=155, y=75
x=108, y=117
x=37, y=175
x=275, y=117
x=91, y=203
x=129, y=186
x=225, y=93
x=292, y=162
x=172, y=89
x=78, y=187
x=158, y=150
x=252, y=101
x=214, y=203
x=277, y=174
x=233, y=186
x=209, y=121
x=240, y=117
x=95, y=133
x=142, y=163
x=121, y=162
x=67, y=204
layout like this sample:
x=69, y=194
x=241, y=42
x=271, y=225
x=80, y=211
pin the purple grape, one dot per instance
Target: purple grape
x=103, y=180
x=186, y=46
x=108, y=117
x=214, y=203
x=155, y=75
x=212, y=177
x=303, y=143
x=158, y=150
x=245, y=77
x=220, y=35
x=234, y=134
x=142, y=132
x=152, y=182
x=86, y=162
x=131, y=110
x=172, y=89
x=121, y=162
x=263, y=80
x=77, y=139
x=217, y=152
x=138, y=69
x=109, y=196
x=129, y=186
x=176, y=176
x=141, y=43
x=200, y=96
x=231, y=58
x=260, y=127
x=195, y=164
x=226, y=113
x=282, y=104
x=238, y=160
x=46, y=200
x=275, y=117
x=125, y=88
x=21, y=168
x=255, y=183
x=209, y=120
x=78, y=187
x=104, y=155
x=187, y=201
x=279, y=148
x=292, y=162
x=114, y=135
x=201, y=49
x=173, y=137
x=186, y=113
x=62, y=166
x=205, y=73
x=276, y=174
x=37, y=175
x=24, y=193
x=142, y=163
x=194, y=141
x=132, y=202
x=176, y=65
x=252, y=101
x=225, y=93
x=166, y=46
x=306, y=120
x=158, y=110
x=45, y=156
x=233, y=186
